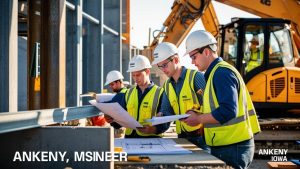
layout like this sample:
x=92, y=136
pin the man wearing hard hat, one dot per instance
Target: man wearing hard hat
x=141, y=101
x=115, y=81
x=183, y=91
x=256, y=55
x=228, y=114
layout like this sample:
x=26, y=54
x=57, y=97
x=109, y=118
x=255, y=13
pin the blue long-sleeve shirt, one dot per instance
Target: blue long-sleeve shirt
x=199, y=83
x=120, y=98
x=226, y=87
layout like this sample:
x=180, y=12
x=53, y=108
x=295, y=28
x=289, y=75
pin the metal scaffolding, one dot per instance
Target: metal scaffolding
x=80, y=42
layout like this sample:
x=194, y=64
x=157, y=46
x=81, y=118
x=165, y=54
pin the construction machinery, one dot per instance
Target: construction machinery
x=275, y=81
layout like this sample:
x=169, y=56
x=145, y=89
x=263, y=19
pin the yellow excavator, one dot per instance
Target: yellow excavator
x=274, y=80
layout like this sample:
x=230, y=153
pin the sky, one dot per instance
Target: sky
x=150, y=14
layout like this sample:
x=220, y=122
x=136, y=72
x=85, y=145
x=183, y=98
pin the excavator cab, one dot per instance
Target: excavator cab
x=262, y=51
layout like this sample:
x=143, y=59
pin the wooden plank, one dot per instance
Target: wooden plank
x=282, y=165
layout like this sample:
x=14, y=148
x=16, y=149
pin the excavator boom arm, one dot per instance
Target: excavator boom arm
x=210, y=20
x=180, y=21
x=185, y=13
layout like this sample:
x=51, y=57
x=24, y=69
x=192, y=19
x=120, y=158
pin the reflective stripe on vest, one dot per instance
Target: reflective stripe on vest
x=231, y=122
x=238, y=129
x=147, y=108
x=187, y=100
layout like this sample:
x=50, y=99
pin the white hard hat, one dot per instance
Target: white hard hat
x=113, y=76
x=199, y=39
x=138, y=62
x=163, y=51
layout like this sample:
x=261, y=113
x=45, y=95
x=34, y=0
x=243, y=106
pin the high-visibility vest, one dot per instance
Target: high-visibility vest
x=256, y=56
x=123, y=90
x=187, y=100
x=147, y=108
x=256, y=59
x=238, y=129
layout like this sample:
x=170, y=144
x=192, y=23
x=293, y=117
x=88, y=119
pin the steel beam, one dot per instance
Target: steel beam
x=71, y=55
x=36, y=118
x=70, y=5
x=53, y=54
x=102, y=45
x=34, y=36
x=79, y=16
x=5, y=12
x=74, y=52
x=8, y=55
x=22, y=74
x=125, y=42
x=113, y=43
x=93, y=48
x=111, y=30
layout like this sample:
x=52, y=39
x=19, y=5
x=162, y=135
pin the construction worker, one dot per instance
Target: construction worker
x=183, y=91
x=115, y=81
x=228, y=115
x=141, y=101
x=256, y=55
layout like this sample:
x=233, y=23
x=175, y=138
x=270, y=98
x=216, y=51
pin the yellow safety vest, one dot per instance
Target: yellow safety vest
x=187, y=100
x=123, y=90
x=147, y=109
x=240, y=128
x=256, y=59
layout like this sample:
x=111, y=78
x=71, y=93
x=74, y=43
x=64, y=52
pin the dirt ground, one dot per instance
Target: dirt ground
x=259, y=164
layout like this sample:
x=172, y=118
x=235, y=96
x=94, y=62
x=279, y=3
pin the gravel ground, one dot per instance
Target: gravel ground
x=259, y=164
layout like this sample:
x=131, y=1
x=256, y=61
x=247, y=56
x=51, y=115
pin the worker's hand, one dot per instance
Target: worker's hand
x=146, y=129
x=159, y=114
x=193, y=119
x=108, y=118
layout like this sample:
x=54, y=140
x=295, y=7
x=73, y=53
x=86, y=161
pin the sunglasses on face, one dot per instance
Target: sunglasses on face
x=165, y=65
x=200, y=51
x=193, y=56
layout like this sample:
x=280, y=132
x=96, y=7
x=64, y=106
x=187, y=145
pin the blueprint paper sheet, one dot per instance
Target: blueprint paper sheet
x=166, y=119
x=150, y=146
x=117, y=112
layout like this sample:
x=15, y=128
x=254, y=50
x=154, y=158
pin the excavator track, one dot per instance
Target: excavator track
x=274, y=139
x=279, y=133
x=280, y=124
